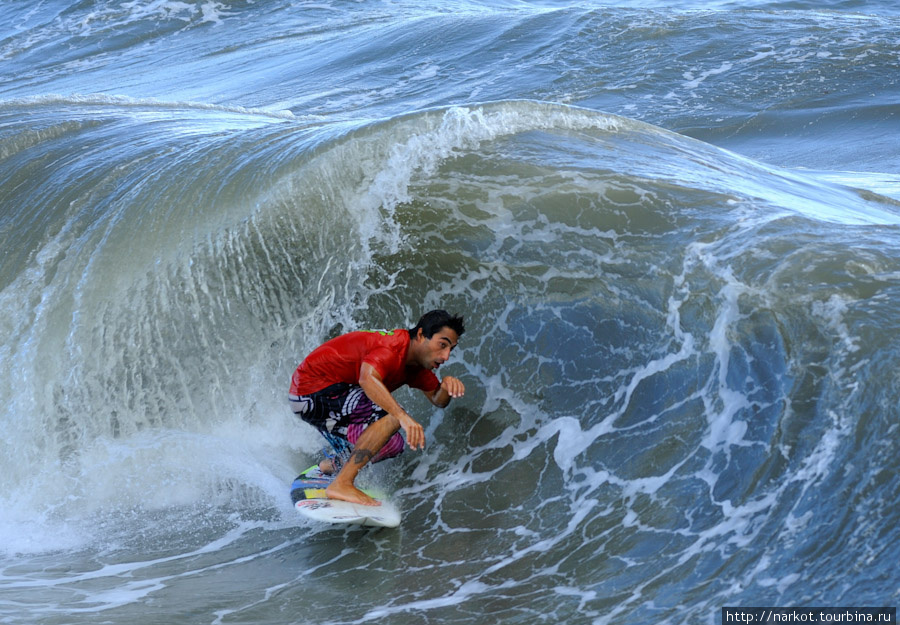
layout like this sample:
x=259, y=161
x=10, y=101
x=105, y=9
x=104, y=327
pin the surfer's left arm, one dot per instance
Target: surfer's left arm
x=450, y=387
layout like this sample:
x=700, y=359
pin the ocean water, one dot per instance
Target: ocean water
x=674, y=231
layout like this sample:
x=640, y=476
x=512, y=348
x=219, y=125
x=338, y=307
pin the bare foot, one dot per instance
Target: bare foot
x=350, y=493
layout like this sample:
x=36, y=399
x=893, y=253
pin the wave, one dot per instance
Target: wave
x=679, y=360
x=674, y=353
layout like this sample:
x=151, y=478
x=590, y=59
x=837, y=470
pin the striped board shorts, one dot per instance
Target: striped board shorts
x=341, y=413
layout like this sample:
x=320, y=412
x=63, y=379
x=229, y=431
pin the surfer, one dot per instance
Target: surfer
x=343, y=389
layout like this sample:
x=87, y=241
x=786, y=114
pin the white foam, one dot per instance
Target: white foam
x=209, y=11
x=212, y=12
x=426, y=71
x=832, y=311
x=694, y=82
x=231, y=463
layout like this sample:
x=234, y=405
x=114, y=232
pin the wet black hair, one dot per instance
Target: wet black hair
x=434, y=320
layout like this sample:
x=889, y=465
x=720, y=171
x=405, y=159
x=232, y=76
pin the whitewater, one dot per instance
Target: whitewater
x=673, y=230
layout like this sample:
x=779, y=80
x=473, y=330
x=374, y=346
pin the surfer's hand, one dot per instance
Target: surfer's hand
x=453, y=386
x=415, y=435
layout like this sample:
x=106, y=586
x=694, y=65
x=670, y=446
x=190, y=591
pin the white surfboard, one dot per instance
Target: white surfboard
x=335, y=511
x=308, y=495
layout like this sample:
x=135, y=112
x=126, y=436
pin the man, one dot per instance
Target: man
x=343, y=389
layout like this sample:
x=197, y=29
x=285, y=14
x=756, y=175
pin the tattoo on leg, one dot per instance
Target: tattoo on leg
x=362, y=456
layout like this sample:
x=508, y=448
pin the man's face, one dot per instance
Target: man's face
x=432, y=353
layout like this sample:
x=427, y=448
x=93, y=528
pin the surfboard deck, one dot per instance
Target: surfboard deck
x=308, y=495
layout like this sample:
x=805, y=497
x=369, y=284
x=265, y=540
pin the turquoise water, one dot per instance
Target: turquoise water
x=672, y=229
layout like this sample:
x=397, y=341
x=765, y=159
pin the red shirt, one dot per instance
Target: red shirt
x=341, y=358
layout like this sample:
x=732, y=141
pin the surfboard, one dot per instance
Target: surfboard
x=308, y=495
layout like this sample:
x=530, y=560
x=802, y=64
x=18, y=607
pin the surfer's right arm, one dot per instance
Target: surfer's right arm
x=374, y=388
